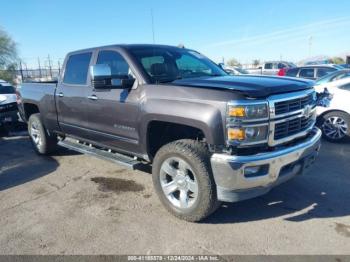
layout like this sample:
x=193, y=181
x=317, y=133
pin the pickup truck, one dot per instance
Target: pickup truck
x=209, y=137
x=271, y=68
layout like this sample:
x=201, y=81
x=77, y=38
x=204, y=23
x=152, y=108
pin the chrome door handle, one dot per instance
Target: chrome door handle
x=93, y=97
x=60, y=94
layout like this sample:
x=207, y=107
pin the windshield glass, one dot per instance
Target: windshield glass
x=242, y=71
x=332, y=76
x=7, y=90
x=164, y=64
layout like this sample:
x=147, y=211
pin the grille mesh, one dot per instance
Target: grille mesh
x=290, y=106
x=292, y=127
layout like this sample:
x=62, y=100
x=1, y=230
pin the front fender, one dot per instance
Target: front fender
x=206, y=117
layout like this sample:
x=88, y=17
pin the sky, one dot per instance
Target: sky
x=245, y=30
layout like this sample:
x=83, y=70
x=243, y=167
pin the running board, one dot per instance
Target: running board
x=104, y=154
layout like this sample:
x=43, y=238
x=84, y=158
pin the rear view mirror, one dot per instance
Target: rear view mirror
x=102, y=78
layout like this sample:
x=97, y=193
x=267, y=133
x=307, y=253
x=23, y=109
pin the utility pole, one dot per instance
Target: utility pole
x=152, y=26
x=59, y=67
x=39, y=68
x=21, y=70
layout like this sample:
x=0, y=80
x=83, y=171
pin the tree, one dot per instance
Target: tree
x=233, y=62
x=337, y=60
x=8, y=57
x=256, y=62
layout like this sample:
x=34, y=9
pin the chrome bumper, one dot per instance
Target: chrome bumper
x=233, y=184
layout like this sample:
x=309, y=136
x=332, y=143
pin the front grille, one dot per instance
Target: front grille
x=8, y=107
x=290, y=106
x=292, y=127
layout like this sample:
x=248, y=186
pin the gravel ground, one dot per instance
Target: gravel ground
x=71, y=203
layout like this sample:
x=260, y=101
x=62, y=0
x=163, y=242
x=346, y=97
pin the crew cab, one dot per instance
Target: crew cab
x=271, y=68
x=209, y=137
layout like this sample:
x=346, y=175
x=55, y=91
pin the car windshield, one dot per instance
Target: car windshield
x=332, y=76
x=7, y=90
x=166, y=64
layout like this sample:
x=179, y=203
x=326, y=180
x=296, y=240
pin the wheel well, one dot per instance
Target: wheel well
x=30, y=109
x=161, y=133
x=320, y=117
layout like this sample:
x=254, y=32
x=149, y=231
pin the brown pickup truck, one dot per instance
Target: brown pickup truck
x=209, y=137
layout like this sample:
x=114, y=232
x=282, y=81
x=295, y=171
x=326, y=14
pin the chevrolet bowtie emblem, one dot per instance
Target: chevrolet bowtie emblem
x=307, y=111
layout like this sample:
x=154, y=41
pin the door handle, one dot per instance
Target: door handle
x=93, y=97
x=60, y=94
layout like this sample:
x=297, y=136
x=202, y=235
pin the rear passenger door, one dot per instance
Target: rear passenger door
x=71, y=95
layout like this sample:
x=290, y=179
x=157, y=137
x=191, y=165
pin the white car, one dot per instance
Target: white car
x=8, y=104
x=334, y=120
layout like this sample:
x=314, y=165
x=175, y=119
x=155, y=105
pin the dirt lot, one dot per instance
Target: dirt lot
x=75, y=204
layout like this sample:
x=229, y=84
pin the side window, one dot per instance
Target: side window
x=281, y=65
x=119, y=67
x=324, y=71
x=345, y=87
x=307, y=73
x=268, y=66
x=77, y=69
x=292, y=72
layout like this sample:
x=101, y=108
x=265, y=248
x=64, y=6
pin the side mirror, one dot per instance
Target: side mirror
x=102, y=78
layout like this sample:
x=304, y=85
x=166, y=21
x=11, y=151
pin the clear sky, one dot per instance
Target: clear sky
x=243, y=29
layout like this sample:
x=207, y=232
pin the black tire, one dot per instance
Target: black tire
x=323, y=121
x=197, y=156
x=48, y=143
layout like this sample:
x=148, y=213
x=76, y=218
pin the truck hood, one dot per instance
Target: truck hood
x=250, y=85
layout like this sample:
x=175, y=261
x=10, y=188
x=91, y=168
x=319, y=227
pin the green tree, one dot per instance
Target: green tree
x=8, y=57
x=256, y=62
x=337, y=60
x=233, y=62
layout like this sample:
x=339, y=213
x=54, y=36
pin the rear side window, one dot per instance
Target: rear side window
x=77, y=69
x=268, y=66
x=324, y=71
x=307, y=72
x=7, y=90
x=292, y=72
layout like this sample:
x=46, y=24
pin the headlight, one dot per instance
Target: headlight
x=247, y=134
x=247, y=123
x=255, y=111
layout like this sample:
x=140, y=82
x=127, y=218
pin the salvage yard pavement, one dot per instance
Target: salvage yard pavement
x=71, y=203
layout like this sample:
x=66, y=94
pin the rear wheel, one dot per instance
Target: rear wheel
x=335, y=126
x=43, y=142
x=183, y=180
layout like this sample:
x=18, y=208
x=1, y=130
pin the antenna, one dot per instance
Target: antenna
x=152, y=26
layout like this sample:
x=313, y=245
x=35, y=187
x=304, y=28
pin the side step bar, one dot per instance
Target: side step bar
x=104, y=154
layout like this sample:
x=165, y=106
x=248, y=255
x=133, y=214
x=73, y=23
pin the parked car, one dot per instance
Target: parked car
x=233, y=70
x=334, y=120
x=333, y=77
x=210, y=137
x=312, y=71
x=271, y=68
x=345, y=65
x=8, y=104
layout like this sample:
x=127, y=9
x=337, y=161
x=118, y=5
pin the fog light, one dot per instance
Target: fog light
x=253, y=171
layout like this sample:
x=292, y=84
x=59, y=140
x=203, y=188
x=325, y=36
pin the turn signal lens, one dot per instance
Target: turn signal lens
x=237, y=111
x=236, y=134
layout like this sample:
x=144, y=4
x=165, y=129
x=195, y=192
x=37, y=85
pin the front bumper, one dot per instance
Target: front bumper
x=234, y=184
x=8, y=117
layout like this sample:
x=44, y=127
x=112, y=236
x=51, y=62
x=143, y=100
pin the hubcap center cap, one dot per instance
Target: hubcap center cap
x=181, y=181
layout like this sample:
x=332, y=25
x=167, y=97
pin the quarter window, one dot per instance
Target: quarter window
x=77, y=68
x=268, y=66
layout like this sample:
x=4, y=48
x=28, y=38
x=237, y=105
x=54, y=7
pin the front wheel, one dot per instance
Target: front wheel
x=335, y=126
x=183, y=180
x=43, y=142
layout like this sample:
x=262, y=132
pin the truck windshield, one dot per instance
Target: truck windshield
x=164, y=64
x=7, y=90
